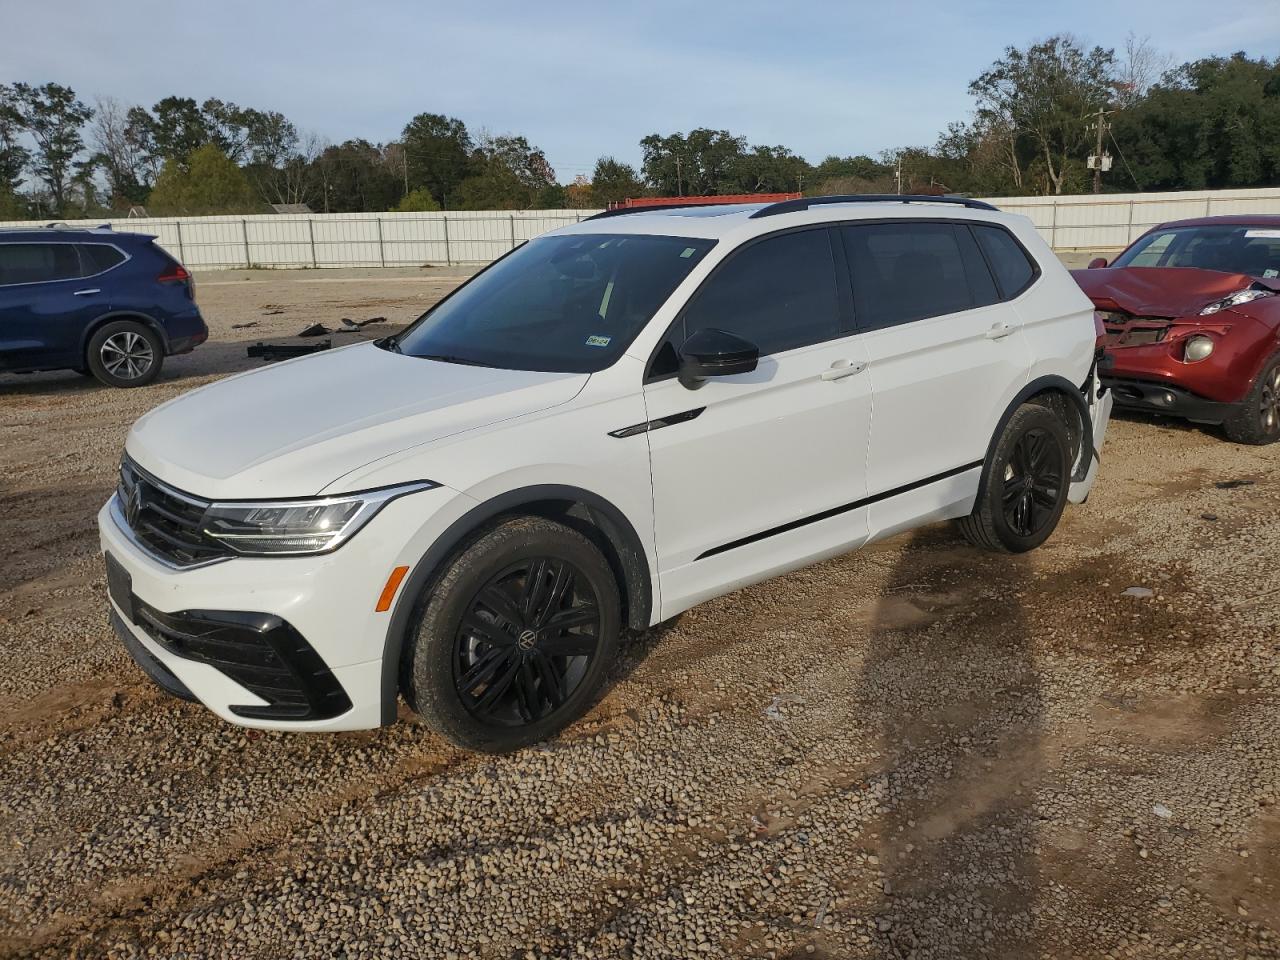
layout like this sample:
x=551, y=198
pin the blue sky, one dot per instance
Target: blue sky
x=583, y=79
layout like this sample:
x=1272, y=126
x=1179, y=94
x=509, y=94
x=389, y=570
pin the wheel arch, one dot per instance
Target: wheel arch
x=588, y=513
x=1047, y=389
x=112, y=315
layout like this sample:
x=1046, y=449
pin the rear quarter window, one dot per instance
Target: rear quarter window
x=1011, y=265
x=99, y=257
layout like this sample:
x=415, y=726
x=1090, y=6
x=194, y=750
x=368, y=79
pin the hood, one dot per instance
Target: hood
x=1159, y=291
x=291, y=429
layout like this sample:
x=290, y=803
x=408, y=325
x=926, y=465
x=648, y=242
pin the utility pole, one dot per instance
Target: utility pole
x=1097, y=154
x=897, y=175
x=679, y=189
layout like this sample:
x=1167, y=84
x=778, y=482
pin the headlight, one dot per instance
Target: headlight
x=1237, y=298
x=1197, y=348
x=315, y=525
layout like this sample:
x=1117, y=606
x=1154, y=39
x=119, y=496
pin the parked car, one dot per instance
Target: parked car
x=614, y=422
x=109, y=304
x=1193, y=323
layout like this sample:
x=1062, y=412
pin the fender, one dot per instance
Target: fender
x=1058, y=384
x=92, y=328
x=632, y=568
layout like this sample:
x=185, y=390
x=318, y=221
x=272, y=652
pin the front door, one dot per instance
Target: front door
x=757, y=473
x=44, y=306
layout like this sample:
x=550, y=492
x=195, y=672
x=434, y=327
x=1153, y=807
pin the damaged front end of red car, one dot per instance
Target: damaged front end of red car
x=1181, y=341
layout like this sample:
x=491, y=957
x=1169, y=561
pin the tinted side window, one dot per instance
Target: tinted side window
x=99, y=257
x=1010, y=263
x=910, y=271
x=38, y=262
x=779, y=293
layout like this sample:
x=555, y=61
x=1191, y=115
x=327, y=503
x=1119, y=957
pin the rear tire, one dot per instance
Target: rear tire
x=1024, y=490
x=1256, y=420
x=513, y=641
x=125, y=353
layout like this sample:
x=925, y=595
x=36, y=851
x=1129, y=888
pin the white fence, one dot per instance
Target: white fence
x=1106, y=222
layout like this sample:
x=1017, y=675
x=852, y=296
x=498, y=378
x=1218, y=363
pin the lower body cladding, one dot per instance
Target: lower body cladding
x=270, y=642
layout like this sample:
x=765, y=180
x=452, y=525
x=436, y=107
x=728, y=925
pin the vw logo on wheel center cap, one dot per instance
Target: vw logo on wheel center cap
x=526, y=640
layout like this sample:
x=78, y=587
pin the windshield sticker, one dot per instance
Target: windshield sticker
x=1270, y=274
x=688, y=252
x=1263, y=234
x=598, y=341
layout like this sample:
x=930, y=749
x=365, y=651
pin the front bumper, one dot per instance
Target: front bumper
x=327, y=601
x=1166, y=398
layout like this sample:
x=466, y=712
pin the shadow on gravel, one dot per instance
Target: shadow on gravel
x=956, y=695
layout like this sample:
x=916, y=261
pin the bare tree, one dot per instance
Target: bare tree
x=291, y=178
x=118, y=153
x=1139, y=69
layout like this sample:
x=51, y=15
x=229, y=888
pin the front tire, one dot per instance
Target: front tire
x=1024, y=490
x=513, y=641
x=125, y=353
x=1256, y=420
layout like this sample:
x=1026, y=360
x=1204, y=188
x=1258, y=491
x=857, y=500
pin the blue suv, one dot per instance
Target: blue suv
x=112, y=305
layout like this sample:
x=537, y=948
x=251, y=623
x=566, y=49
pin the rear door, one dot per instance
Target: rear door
x=760, y=472
x=44, y=305
x=945, y=355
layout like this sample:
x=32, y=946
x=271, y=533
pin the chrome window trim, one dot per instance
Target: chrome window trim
x=73, y=243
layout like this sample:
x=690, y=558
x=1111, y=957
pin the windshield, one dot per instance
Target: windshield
x=1230, y=248
x=564, y=304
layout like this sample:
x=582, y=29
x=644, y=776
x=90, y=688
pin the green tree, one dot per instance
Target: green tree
x=355, y=176
x=53, y=117
x=1210, y=124
x=417, y=201
x=1046, y=94
x=613, y=181
x=768, y=170
x=698, y=164
x=437, y=153
x=209, y=183
x=13, y=155
x=507, y=173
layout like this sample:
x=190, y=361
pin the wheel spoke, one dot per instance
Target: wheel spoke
x=573, y=617
x=496, y=600
x=561, y=587
x=569, y=645
x=552, y=683
x=528, y=701
x=483, y=670
x=490, y=633
x=1044, y=495
x=535, y=585
x=500, y=685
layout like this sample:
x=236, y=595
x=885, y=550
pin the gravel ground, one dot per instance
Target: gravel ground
x=917, y=750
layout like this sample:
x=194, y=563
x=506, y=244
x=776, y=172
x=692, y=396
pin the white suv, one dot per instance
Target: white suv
x=614, y=422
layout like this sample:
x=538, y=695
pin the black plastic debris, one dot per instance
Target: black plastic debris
x=1232, y=484
x=244, y=326
x=315, y=330
x=350, y=324
x=271, y=352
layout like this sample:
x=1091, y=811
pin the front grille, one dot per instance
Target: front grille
x=261, y=652
x=167, y=522
x=1126, y=330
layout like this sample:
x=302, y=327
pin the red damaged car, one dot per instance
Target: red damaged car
x=1193, y=323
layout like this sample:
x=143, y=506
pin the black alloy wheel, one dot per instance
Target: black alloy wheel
x=526, y=642
x=1033, y=479
x=513, y=636
x=1024, y=484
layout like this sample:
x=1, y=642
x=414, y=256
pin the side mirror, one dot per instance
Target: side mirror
x=1097, y=263
x=715, y=353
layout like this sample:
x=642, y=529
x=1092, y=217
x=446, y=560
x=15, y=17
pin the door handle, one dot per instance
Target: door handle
x=999, y=330
x=86, y=293
x=843, y=368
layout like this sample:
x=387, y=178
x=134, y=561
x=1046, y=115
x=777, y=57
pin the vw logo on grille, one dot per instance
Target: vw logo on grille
x=526, y=640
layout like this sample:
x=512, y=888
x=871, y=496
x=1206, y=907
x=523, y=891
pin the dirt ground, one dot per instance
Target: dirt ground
x=918, y=750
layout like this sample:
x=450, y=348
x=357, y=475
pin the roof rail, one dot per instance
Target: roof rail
x=647, y=208
x=804, y=203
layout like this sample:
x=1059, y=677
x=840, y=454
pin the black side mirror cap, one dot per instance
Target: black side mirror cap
x=715, y=353
x=1097, y=263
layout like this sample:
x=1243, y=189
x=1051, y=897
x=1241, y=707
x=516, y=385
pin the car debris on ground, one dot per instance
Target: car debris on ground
x=271, y=352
